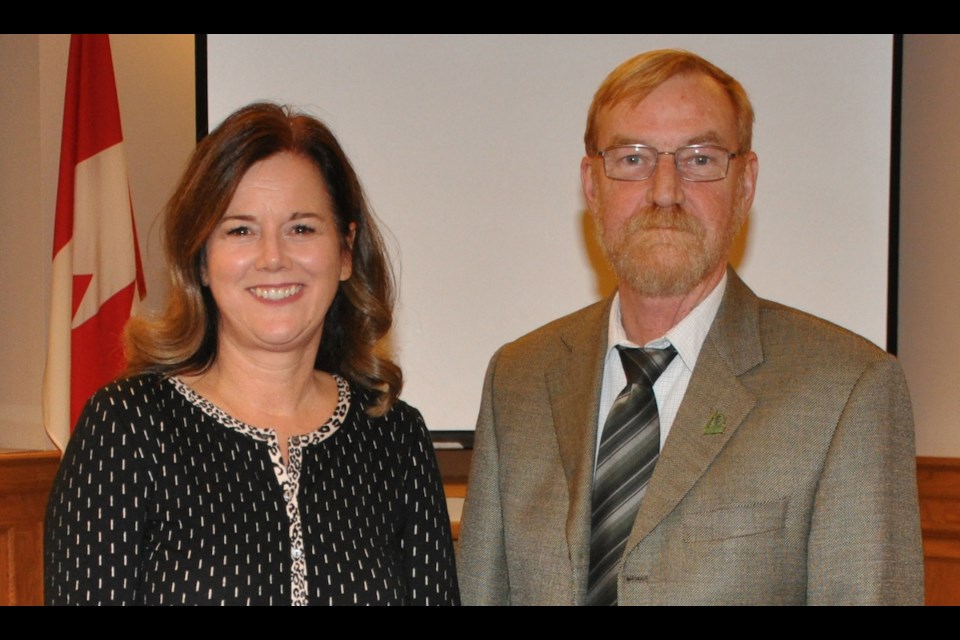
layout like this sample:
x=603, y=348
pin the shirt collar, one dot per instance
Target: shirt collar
x=687, y=336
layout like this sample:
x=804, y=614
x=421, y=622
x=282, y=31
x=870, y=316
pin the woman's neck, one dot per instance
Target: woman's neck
x=277, y=391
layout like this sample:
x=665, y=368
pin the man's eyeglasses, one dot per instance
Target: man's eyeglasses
x=695, y=162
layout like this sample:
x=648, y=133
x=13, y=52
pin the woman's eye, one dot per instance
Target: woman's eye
x=303, y=229
x=238, y=231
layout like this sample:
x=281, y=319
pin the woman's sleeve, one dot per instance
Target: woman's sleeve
x=96, y=515
x=427, y=543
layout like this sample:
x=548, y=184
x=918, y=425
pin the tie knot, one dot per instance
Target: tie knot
x=644, y=366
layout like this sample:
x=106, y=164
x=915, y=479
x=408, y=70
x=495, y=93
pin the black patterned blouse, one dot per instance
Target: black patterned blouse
x=162, y=498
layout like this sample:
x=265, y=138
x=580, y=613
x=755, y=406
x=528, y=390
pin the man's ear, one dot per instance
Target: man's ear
x=748, y=181
x=588, y=181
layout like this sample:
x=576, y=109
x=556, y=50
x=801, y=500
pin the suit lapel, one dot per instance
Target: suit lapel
x=713, y=408
x=573, y=380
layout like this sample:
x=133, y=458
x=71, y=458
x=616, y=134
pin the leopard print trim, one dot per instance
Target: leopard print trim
x=288, y=476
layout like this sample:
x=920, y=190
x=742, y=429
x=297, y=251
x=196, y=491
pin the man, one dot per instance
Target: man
x=786, y=470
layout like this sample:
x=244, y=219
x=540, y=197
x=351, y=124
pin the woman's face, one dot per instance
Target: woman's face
x=275, y=260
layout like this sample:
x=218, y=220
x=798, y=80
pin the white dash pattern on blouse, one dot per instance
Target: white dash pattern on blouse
x=161, y=500
x=288, y=476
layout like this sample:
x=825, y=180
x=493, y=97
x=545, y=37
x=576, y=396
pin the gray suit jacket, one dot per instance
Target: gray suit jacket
x=808, y=494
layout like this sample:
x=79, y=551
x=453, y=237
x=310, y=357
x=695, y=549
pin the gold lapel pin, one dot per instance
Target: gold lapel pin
x=716, y=425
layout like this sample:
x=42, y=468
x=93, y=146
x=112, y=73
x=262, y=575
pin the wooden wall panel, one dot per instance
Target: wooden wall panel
x=938, y=482
x=454, y=468
x=25, y=480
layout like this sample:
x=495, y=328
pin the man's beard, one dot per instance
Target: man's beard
x=664, y=252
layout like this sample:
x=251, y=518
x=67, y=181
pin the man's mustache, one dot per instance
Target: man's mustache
x=672, y=218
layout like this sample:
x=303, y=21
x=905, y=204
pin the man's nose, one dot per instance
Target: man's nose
x=666, y=188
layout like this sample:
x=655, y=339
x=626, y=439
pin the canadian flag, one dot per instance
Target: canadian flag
x=97, y=275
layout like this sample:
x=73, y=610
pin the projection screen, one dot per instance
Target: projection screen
x=469, y=150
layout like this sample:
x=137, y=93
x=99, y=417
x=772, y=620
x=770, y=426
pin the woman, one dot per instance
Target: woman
x=256, y=451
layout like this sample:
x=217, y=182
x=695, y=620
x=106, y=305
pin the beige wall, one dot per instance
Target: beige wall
x=155, y=81
x=155, y=84
x=24, y=243
x=930, y=239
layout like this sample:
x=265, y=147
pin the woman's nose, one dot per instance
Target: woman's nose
x=272, y=253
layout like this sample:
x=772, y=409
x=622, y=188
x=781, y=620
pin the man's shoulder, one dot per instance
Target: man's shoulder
x=750, y=329
x=803, y=338
x=585, y=326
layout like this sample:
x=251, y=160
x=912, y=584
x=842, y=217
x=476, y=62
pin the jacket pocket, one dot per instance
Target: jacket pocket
x=734, y=521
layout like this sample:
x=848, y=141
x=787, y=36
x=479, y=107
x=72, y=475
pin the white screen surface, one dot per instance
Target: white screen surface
x=469, y=150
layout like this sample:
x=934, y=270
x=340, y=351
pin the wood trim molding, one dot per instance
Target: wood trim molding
x=454, y=468
x=26, y=477
x=938, y=485
x=25, y=481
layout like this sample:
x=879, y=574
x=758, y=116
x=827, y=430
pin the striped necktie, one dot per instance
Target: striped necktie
x=629, y=447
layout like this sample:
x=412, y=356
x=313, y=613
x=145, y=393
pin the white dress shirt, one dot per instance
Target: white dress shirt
x=686, y=337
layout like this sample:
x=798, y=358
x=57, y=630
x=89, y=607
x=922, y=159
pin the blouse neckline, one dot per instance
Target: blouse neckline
x=322, y=432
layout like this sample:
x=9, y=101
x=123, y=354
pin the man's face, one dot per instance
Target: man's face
x=663, y=235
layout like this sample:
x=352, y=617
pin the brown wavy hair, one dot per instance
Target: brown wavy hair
x=635, y=78
x=183, y=338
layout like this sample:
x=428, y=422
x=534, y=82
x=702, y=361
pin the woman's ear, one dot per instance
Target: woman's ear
x=346, y=256
x=204, y=276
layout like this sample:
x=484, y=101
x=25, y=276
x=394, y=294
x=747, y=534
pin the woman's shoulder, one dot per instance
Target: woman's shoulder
x=400, y=413
x=131, y=400
x=134, y=390
x=401, y=429
x=124, y=414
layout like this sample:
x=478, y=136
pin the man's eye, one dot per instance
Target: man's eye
x=635, y=160
x=699, y=160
